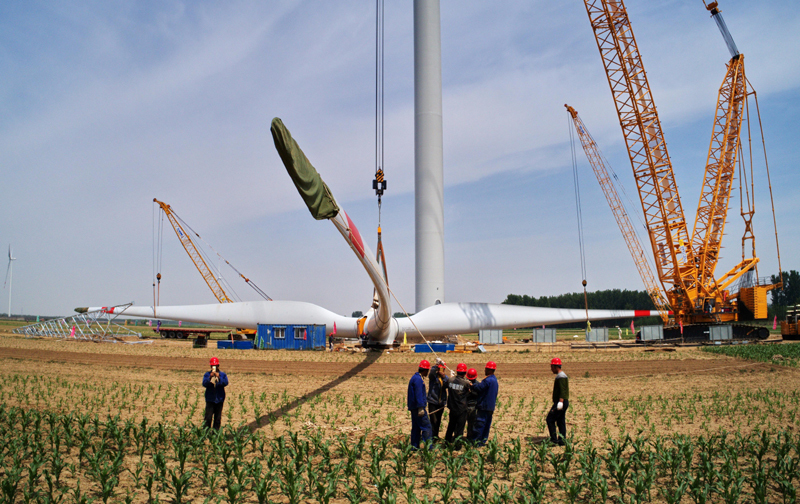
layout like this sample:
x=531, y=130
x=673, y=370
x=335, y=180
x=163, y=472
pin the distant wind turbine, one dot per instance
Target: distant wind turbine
x=9, y=278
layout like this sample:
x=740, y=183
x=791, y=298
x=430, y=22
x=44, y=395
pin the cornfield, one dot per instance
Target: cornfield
x=65, y=440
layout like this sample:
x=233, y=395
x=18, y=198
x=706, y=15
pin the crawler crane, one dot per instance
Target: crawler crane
x=201, y=265
x=685, y=263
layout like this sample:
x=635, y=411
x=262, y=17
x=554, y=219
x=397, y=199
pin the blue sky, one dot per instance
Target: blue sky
x=106, y=105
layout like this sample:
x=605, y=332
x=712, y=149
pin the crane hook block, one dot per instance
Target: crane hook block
x=379, y=183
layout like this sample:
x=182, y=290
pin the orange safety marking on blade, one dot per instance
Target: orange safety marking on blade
x=355, y=236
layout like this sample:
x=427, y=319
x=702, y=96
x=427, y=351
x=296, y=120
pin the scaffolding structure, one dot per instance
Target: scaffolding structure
x=96, y=325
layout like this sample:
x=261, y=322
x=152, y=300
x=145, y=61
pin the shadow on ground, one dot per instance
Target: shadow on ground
x=369, y=359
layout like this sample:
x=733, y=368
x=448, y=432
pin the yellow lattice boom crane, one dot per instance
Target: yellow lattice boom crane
x=685, y=263
x=598, y=165
x=194, y=254
x=201, y=265
x=715, y=195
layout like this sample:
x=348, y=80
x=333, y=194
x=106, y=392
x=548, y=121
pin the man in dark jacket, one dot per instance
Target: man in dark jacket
x=558, y=413
x=420, y=424
x=437, y=395
x=487, y=398
x=215, y=382
x=472, y=403
x=458, y=389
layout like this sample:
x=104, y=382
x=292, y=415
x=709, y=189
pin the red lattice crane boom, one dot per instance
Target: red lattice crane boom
x=621, y=216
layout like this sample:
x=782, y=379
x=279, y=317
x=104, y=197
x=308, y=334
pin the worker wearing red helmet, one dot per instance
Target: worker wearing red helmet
x=458, y=389
x=437, y=395
x=215, y=382
x=487, y=399
x=417, y=400
x=472, y=403
x=557, y=414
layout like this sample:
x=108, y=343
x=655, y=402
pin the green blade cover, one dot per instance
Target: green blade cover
x=315, y=193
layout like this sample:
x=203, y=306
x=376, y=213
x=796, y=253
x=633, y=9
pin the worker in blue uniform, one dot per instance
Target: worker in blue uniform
x=417, y=401
x=214, y=382
x=487, y=399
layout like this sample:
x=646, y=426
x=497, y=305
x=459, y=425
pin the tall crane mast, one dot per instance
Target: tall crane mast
x=652, y=168
x=685, y=264
x=712, y=208
x=621, y=216
x=194, y=254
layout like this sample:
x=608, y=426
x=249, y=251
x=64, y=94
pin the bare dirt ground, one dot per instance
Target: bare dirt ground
x=261, y=379
x=372, y=366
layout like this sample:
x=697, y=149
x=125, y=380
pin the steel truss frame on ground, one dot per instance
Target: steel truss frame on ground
x=94, y=326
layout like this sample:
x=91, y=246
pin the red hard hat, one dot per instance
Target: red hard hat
x=213, y=362
x=491, y=365
x=555, y=362
x=424, y=364
x=461, y=368
x=472, y=374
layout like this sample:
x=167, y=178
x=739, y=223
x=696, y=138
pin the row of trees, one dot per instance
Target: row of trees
x=788, y=296
x=612, y=299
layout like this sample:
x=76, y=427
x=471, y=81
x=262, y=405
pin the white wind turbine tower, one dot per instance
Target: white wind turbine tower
x=9, y=278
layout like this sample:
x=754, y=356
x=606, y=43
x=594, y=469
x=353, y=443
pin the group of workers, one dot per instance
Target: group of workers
x=471, y=403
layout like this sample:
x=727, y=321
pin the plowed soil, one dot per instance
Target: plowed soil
x=372, y=366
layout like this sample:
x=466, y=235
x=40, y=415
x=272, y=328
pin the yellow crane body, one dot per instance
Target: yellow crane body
x=652, y=168
x=685, y=263
x=194, y=254
x=712, y=209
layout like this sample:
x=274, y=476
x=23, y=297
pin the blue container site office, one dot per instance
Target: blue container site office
x=290, y=337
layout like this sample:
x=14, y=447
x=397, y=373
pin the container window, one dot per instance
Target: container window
x=280, y=333
x=299, y=332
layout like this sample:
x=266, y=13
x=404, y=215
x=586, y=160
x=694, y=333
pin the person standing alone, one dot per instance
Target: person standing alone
x=215, y=382
x=417, y=400
x=557, y=415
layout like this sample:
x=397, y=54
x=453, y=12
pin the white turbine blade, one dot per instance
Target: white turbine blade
x=459, y=318
x=8, y=270
x=245, y=314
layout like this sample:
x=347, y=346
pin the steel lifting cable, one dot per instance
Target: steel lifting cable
x=747, y=196
x=418, y=330
x=379, y=182
x=247, y=280
x=577, y=188
x=158, y=234
x=769, y=181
